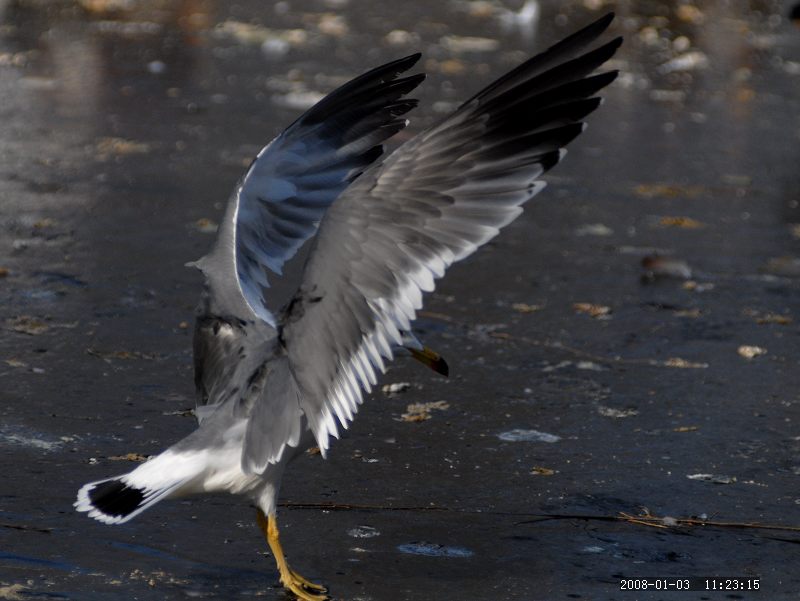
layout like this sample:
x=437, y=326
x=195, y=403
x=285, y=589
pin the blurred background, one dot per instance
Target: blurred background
x=627, y=347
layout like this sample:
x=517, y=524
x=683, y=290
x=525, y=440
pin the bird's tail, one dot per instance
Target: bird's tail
x=121, y=498
x=114, y=501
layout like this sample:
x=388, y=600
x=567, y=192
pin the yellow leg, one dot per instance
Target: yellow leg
x=301, y=587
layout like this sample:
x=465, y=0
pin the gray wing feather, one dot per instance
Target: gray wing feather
x=433, y=202
x=276, y=410
x=280, y=201
x=218, y=348
x=237, y=368
x=229, y=355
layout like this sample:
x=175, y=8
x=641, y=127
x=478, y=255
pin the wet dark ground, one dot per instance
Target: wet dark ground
x=121, y=135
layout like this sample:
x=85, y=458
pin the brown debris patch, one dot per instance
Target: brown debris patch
x=125, y=355
x=419, y=412
x=592, y=309
x=684, y=364
x=114, y=147
x=526, y=308
x=137, y=457
x=25, y=324
x=681, y=222
x=657, y=267
x=667, y=191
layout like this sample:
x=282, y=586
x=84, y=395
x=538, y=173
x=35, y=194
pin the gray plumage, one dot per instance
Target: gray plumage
x=291, y=183
x=273, y=383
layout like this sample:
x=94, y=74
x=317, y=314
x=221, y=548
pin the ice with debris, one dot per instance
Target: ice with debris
x=715, y=478
x=751, y=352
x=156, y=67
x=363, y=532
x=559, y=365
x=688, y=61
x=589, y=365
x=20, y=435
x=401, y=37
x=526, y=308
x=684, y=364
x=655, y=267
x=594, y=310
x=680, y=221
x=205, y=225
x=419, y=412
x=594, y=229
x=297, y=100
x=460, y=44
x=434, y=550
x=520, y=435
x=616, y=413
x=785, y=266
x=275, y=47
x=524, y=20
x=396, y=387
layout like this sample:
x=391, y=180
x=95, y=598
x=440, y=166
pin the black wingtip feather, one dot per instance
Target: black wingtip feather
x=551, y=159
x=376, y=84
x=405, y=63
x=401, y=107
x=405, y=84
x=584, y=36
x=554, y=56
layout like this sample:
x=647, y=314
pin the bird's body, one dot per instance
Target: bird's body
x=271, y=385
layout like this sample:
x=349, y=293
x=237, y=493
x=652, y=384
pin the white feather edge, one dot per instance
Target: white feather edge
x=357, y=372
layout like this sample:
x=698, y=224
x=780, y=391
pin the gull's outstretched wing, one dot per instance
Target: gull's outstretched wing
x=279, y=203
x=434, y=201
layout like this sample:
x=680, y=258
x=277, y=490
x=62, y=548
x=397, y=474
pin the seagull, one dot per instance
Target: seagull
x=272, y=384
